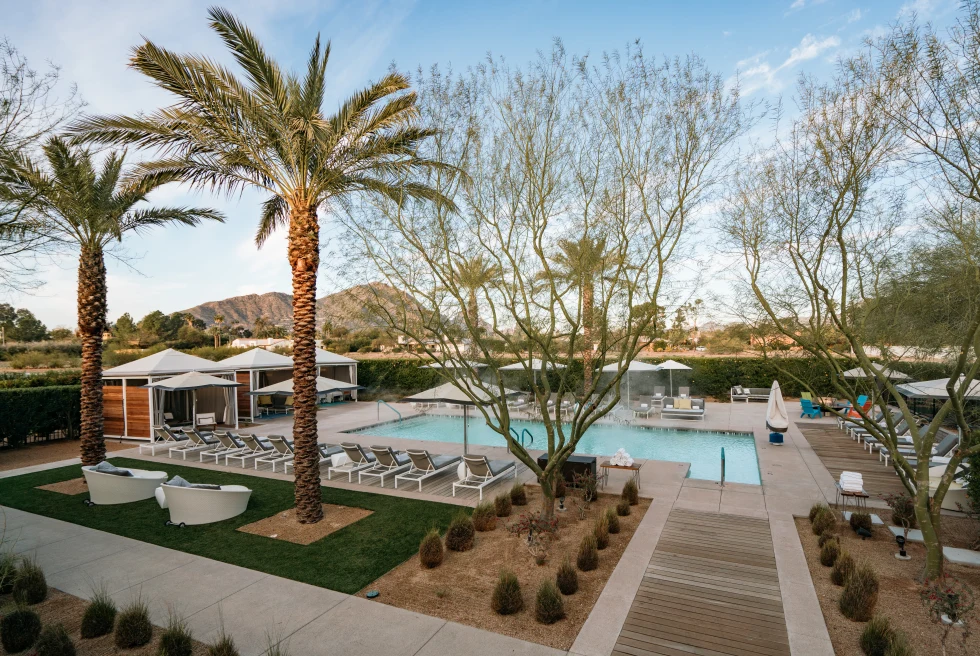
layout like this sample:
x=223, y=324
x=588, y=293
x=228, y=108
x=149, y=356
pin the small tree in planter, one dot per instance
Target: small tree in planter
x=537, y=532
x=950, y=603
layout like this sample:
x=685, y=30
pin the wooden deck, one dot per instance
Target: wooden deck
x=711, y=588
x=838, y=452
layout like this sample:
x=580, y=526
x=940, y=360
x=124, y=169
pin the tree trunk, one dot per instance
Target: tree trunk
x=929, y=524
x=547, y=495
x=304, y=259
x=91, y=324
x=587, y=354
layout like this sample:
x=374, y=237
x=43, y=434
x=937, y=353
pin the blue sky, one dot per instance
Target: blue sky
x=768, y=44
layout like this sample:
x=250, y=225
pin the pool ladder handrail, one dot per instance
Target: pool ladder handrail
x=520, y=438
x=389, y=406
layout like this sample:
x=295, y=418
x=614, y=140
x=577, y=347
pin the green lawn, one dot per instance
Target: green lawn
x=346, y=560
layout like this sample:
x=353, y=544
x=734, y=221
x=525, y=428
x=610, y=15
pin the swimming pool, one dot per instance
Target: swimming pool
x=700, y=448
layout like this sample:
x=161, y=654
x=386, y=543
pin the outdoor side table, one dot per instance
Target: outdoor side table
x=607, y=466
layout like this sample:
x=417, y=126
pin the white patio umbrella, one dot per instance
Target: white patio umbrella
x=450, y=393
x=452, y=364
x=777, y=418
x=534, y=365
x=635, y=366
x=192, y=381
x=671, y=365
x=323, y=386
x=890, y=374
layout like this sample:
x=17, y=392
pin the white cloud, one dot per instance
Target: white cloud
x=854, y=16
x=921, y=8
x=756, y=73
x=798, y=4
x=809, y=48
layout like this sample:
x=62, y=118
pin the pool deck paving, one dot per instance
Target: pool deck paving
x=792, y=479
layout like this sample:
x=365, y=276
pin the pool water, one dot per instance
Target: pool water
x=700, y=448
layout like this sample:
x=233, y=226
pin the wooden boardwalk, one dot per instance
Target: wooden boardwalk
x=711, y=588
x=838, y=452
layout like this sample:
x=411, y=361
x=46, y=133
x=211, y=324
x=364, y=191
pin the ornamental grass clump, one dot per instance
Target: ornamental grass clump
x=829, y=553
x=631, y=492
x=459, y=535
x=877, y=636
x=19, y=629
x=601, y=531
x=825, y=537
x=549, y=607
x=506, y=598
x=623, y=508
x=8, y=570
x=844, y=566
x=824, y=521
x=518, y=495
x=860, y=595
x=502, y=504
x=860, y=520
x=223, y=646
x=567, y=578
x=485, y=517
x=588, y=554
x=133, y=626
x=900, y=646
x=176, y=639
x=54, y=641
x=100, y=615
x=30, y=586
x=903, y=510
x=430, y=550
x=613, y=520
x=816, y=509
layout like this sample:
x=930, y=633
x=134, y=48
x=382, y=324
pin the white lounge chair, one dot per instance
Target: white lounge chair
x=107, y=489
x=230, y=445
x=193, y=505
x=163, y=439
x=282, y=452
x=481, y=472
x=358, y=459
x=387, y=463
x=195, y=442
x=327, y=451
x=425, y=466
x=255, y=447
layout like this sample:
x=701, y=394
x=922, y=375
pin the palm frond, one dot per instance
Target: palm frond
x=275, y=214
x=262, y=71
x=140, y=220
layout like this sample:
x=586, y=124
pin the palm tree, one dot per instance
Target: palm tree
x=218, y=320
x=269, y=131
x=578, y=263
x=472, y=274
x=74, y=203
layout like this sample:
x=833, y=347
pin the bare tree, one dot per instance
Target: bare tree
x=555, y=154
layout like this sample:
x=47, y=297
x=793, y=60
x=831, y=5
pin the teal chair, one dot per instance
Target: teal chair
x=809, y=410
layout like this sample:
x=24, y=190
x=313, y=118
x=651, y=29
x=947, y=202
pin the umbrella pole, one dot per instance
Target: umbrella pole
x=465, y=417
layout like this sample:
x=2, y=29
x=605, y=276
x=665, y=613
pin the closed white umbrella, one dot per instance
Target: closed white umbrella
x=635, y=365
x=671, y=365
x=777, y=418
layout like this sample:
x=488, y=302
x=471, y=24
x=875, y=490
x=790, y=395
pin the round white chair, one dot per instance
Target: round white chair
x=110, y=489
x=190, y=506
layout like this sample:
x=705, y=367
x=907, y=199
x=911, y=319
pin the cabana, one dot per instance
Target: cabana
x=635, y=366
x=325, y=388
x=337, y=367
x=129, y=406
x=255, y=369
x=210, y=396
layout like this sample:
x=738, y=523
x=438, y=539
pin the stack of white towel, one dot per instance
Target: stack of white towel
x=851, y=482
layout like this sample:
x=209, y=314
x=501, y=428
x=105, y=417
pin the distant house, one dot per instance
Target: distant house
x=265, y=342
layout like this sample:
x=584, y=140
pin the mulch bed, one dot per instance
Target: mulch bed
x=898, y=597
x=39, y=453
x=66, y=609
x=284, y=526
x=459, y=589
x=70, y=487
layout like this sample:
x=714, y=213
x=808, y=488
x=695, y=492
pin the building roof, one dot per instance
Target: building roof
x=328, y=358
x=164, y=363
x=258, y=358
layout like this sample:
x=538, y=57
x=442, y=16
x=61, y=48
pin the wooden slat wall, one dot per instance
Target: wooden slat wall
x=137, y=412
x=711, y=588
x=112, y=410
x=244, y=400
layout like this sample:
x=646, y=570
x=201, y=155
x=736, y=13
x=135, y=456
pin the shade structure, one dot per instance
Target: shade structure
x=860, y=373
x=634, y=366
x=777, y=418
x=257, y=359
x=193, y=381
x=328, y=358
x=936, y=389
x=535, y=364
x=168, y=361
x=454, y=364
x=450, y=393
x=323, y=386
x=671, y=365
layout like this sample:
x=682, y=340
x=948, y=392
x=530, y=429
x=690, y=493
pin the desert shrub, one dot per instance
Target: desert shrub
x=30, y=586
x=100, y=615
x=459, y=535
x=589, y=485
x=502, y=504
x=176, y=639
x=860, y=520
x=430, y=550
x=829, y=553
x=816, y=509
x=567, y=578
x=860, y=595
x=623, y=508
x=826, y=537
x=8, y=570
x=485, y=516
x=877, y=636
x=224, y=645
x=588, y=554
x=549, y=607
x=19, y=629
x=900, y=646
x=843, y=567
x=518, y=495
x=601, y=531
x=133, y=626
x=631, y=492
x=613, y=520
x=903, y=510
x=823, y=522
x=55, y=641
x=506, y=598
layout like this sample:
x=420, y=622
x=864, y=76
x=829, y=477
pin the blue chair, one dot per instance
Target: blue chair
x=809, y=410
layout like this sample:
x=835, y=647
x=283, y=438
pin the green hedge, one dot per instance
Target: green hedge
x=39, y=412
x=73, y=349
x=44, y=379
x=391, y=379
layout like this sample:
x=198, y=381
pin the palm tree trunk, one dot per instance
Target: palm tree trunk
x=588, y=294
x=91, y=324
x=304, y=259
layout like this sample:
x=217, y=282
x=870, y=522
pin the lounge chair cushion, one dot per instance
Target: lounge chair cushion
x=441, y=461
x=177, y=481
x=739, y=391
x=105, y=467
x=500, y=466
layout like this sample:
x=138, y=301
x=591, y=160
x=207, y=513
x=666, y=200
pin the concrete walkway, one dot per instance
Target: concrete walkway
x=250, y=605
